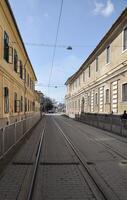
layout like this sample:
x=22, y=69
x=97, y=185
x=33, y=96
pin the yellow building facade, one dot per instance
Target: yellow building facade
x=17, y=77
x=100, y=84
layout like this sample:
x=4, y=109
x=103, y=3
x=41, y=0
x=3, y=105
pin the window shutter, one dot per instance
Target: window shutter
x=6, y=93
x=10, y=55
x=18, y=66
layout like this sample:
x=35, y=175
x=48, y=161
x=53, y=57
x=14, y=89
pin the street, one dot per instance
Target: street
x=76, y=161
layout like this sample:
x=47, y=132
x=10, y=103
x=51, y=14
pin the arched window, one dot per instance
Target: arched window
x=6, y=100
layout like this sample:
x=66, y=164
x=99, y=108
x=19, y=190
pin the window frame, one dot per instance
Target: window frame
x=6, y=46
x=15, y=102
x=123, y=41
x=15, y=61
x=21, y=69
x=124, y=100
x=107, y=100
x=21, y=104
x=96, y=98
x=84, y=76
x=89, y=71
x=6, y=100
x=108, y=52
x=97, y=64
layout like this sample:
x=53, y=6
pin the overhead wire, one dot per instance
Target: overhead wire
x=54, y=50
x=63, y=45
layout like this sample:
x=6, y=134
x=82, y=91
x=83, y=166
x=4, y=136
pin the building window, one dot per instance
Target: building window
x=34, y=86
x=96, y=98
x=79, y=104
x=107, y=96
x=28, y=80
x=30, y=83
x=15, y=102
x=124, y=92
x=15, y=61
x=96, y=64
x=89, y=71
x=21, y=70
x=125, y=39
x=88, y=101
x=25, y=105
x=21, y=104
x=108, y=54
x=6, y=100
x=25, y=74
x=6, y=46
x=28, y=105
x=83, y=76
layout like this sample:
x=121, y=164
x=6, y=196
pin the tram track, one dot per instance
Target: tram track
x=98, y=141
x=94, y=184
x=97, y=191
x=66, y=156
x=30, y=193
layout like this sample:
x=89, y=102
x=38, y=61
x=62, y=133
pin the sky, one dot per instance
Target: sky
x=83, y=24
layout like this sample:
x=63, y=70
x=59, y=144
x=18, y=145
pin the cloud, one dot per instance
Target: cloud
x=104, y=9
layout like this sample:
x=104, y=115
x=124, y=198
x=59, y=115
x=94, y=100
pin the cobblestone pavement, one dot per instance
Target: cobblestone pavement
x=107, y=152
x=59, y=176
x=12, y=177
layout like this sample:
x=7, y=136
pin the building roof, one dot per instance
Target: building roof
x=17, y=29
x=115, y=24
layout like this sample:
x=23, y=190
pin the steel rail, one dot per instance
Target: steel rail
x=30, y=193
x=104, y=194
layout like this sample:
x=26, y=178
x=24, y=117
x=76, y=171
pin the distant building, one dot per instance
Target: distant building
x=61, y=107
x=17, y=76
x=100, y=84
x=41, y=99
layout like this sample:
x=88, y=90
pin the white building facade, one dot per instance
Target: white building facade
x=100, y=84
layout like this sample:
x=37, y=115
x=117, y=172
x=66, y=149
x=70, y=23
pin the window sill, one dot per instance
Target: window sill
x=107, y=64
x=123, y=51
x=124, y=102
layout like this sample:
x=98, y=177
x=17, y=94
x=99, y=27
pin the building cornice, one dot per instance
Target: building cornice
x=98, y=47
x=20, y=37
x=107, y=77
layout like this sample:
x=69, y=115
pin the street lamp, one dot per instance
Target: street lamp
x=69, y=48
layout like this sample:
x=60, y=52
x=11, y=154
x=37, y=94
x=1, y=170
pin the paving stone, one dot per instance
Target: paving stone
x=13, y=176
x=115, y=174
x=11, y=182
x=62, y=182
